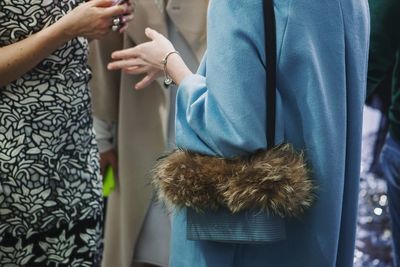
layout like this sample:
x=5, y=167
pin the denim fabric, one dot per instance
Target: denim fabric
x=390, y=161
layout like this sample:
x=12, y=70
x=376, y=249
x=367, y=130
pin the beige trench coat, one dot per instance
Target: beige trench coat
x=141, y=117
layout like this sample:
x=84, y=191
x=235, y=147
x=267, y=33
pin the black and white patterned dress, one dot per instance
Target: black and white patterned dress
x=50, y=188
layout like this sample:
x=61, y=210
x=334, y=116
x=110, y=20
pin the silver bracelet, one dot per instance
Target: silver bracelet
x=168, y=80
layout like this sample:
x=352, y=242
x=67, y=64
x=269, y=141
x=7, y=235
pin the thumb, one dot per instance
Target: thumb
x=151, y=34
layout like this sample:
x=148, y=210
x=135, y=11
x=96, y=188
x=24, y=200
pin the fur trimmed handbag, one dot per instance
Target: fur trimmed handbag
x=274, y=182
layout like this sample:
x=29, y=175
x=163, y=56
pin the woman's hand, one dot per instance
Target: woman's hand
x=94, y=19
x=127, y=17
x=151, y=53
x=147, y=58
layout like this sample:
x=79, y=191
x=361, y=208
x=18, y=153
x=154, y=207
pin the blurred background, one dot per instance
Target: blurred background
x=373, y=244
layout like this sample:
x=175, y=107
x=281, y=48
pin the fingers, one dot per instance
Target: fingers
x=125, y=63
x=126, y=53
x=125, y=21
x=102, y=3
x=151, y=34
x=118, y=10
x=123, y=28
x=131, y=4
x=136, y=70
x=127, y=18
x=146, y=81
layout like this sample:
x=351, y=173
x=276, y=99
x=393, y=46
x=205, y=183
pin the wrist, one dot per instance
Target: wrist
x=177, y=68
x=65, y=30
x=167, y=78
x=54, y=35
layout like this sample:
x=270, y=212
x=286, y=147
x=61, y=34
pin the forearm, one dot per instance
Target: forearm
x=19, y=58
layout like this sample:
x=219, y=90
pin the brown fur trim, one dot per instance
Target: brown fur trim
x=275, y=181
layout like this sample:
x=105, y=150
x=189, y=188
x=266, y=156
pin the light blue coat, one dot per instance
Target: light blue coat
x=322, y=60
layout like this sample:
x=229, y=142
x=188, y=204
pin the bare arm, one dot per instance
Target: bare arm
x=92, y=19
x=19, y=58
x=177, y=68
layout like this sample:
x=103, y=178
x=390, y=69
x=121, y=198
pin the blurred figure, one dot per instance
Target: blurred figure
x=50, y=187
x=134, y=127
x=384, y=64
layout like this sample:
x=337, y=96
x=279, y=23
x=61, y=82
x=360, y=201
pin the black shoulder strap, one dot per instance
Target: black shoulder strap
x=270, y=51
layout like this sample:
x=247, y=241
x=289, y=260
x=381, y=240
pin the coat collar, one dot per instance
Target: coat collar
x=189, y=17
x=148, y=13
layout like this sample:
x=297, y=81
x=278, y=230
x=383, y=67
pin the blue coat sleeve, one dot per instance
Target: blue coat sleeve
x=222, y=110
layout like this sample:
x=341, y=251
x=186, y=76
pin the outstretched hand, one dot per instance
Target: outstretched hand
x=145, y=58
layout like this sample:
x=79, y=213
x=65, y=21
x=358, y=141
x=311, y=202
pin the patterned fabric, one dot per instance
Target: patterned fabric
x=50, y=188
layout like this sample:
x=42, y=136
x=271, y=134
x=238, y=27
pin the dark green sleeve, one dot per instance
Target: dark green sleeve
x=385, y=24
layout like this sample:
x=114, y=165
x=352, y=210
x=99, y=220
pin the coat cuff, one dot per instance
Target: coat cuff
x=276, y=181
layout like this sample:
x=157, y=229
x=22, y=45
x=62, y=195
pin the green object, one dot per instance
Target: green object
x=384, y=56
x=108, y=181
